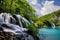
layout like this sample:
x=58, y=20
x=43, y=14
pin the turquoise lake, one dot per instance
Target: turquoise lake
x=49, y=34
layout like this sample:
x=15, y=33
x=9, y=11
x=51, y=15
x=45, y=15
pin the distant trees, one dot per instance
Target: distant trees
x=53, y=17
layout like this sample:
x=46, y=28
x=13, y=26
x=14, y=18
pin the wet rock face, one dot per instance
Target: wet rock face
x=1, y=29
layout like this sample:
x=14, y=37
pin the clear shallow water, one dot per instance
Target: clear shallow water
x=49, y=34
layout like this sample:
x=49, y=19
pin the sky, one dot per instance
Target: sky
x=43, y=7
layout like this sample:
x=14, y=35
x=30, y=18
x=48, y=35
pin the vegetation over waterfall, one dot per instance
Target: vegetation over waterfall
x=20, y=7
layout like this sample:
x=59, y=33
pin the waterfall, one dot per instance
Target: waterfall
x=21, y=19
x=13, y=28
x=7, y=23
x=6, y=17
x=12, y=20
x=26, y=21
x=1, y=19
x=53, y=26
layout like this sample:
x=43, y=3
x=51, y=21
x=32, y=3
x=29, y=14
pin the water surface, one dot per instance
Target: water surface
x=49, y=34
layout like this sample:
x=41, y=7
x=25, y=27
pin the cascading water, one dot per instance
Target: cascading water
x=6, y=17
x=26, y=21
x=1, y=19
x=21, y=19
x=53, y=26
x=7, y=22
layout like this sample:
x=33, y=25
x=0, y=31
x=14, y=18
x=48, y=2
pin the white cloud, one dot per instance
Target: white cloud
x=48, y=7
x=32, y=1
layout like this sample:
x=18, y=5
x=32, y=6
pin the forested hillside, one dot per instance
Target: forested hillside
x=53, y=17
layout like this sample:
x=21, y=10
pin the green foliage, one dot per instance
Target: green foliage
x=33, y=29
x=20, y=7
x=53, y=17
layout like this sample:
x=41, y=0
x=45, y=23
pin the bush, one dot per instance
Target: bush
x=33, y=29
